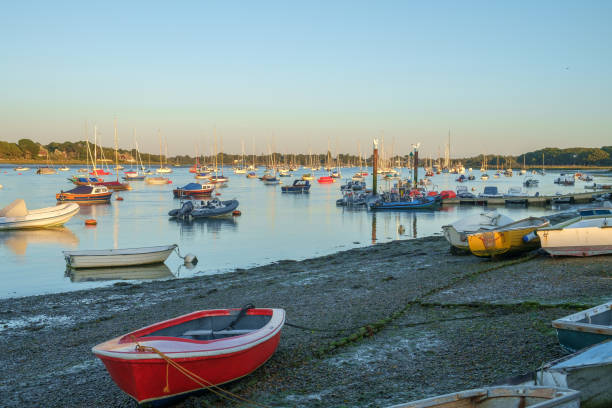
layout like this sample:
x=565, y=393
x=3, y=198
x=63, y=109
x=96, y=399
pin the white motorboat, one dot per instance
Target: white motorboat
x=456, y=233
x=502, y=397
x=17, y=216
x=105, y=258
x=582, y=236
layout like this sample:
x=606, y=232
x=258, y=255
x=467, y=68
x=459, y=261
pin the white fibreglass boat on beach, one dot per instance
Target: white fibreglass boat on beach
x=582, y=236
x=17, y=216
x=108, y=258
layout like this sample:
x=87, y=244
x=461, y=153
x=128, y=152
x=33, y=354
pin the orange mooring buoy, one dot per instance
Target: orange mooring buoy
x=218, y=194
x=236, y=213
x=91, y=222
x=119, y=198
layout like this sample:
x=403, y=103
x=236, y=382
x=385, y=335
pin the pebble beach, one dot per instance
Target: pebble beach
x=378, y=325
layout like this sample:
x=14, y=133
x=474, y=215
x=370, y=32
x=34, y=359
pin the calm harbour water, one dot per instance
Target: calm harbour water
x=273, y=227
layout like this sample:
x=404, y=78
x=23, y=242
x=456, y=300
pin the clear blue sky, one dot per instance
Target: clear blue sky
x=504, y=76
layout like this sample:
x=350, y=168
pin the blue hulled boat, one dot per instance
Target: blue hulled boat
x=385, y=202
x=298, y=186
x=85, y=194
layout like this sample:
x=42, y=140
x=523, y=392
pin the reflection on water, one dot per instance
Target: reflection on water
x=188, y=228
x=143, y=272
x=19, y=240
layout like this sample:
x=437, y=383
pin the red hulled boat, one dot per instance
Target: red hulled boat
x=325, y=179
x=194, y=190
x=216, y=345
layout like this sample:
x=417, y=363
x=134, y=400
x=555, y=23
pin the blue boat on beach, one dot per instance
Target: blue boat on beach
x=299, y=186
x=585, y=328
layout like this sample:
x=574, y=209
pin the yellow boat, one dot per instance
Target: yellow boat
x=515, y=237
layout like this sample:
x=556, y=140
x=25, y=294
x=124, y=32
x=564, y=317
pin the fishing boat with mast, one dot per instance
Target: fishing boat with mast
x=135, y=175
x=216, y=178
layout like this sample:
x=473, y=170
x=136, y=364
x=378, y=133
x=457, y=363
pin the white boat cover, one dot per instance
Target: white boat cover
x=485, y=220
x=15, y=209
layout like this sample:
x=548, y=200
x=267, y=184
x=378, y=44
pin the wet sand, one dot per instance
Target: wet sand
x=395, y=322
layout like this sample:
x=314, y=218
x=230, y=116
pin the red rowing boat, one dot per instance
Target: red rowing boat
x=217, y=346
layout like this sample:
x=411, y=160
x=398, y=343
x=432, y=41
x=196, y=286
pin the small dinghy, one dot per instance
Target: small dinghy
x=17, y=216
x=211, y=346
x=457, y=232
x=585, y=328
x=588, y=371
x=515, y=237
x=502, y=397
x=157, y=180
x=108, y=258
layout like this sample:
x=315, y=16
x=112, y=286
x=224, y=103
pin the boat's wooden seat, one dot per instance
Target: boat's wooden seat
x=212, y=334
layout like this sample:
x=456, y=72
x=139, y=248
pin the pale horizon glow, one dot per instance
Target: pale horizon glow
x=504, y=77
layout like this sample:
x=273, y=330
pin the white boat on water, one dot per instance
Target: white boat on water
x=502, y=397
x=586, y=235
x=457, y=232
x=17, y=216
x=105, y=258
x=157, y=180
x=21, y=168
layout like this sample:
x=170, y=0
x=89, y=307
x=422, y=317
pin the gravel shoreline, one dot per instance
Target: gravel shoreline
x=437, y=323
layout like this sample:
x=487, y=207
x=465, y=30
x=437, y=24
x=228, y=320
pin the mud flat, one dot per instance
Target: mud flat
x=389, y=323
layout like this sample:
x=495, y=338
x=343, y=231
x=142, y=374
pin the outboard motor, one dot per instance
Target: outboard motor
x=186, y=209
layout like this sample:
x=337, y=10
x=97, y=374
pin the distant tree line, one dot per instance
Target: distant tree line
x=26, y=149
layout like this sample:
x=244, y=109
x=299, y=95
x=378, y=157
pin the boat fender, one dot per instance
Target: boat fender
x=530, y=237
x=190, y=259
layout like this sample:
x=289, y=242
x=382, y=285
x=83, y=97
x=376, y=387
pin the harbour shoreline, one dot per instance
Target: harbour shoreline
x=386, y=323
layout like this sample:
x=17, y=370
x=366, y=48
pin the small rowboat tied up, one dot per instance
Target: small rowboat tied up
x=502, y=397
x=104, y=258
x=217, y=346
x=17, y=216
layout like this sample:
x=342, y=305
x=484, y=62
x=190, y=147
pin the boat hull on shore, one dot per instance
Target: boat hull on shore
x=216, y=345
x=502, y=397
x=507, y=239
x=582, y=236
x=585, y=328
x=108, y=258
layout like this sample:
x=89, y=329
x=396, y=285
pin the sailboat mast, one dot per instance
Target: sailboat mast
x=116, y=155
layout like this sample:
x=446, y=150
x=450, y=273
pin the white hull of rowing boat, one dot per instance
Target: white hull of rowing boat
x=118, y=257
x=41, y=218
x=577, y=241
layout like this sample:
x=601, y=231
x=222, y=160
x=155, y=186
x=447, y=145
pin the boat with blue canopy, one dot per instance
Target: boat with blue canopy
x=194, y=190
x=299, y=186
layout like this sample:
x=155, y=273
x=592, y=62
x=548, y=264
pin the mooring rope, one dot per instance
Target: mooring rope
x=196, y=378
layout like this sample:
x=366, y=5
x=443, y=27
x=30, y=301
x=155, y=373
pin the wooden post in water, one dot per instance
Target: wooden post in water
x=375, y=168
x=416, y=168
